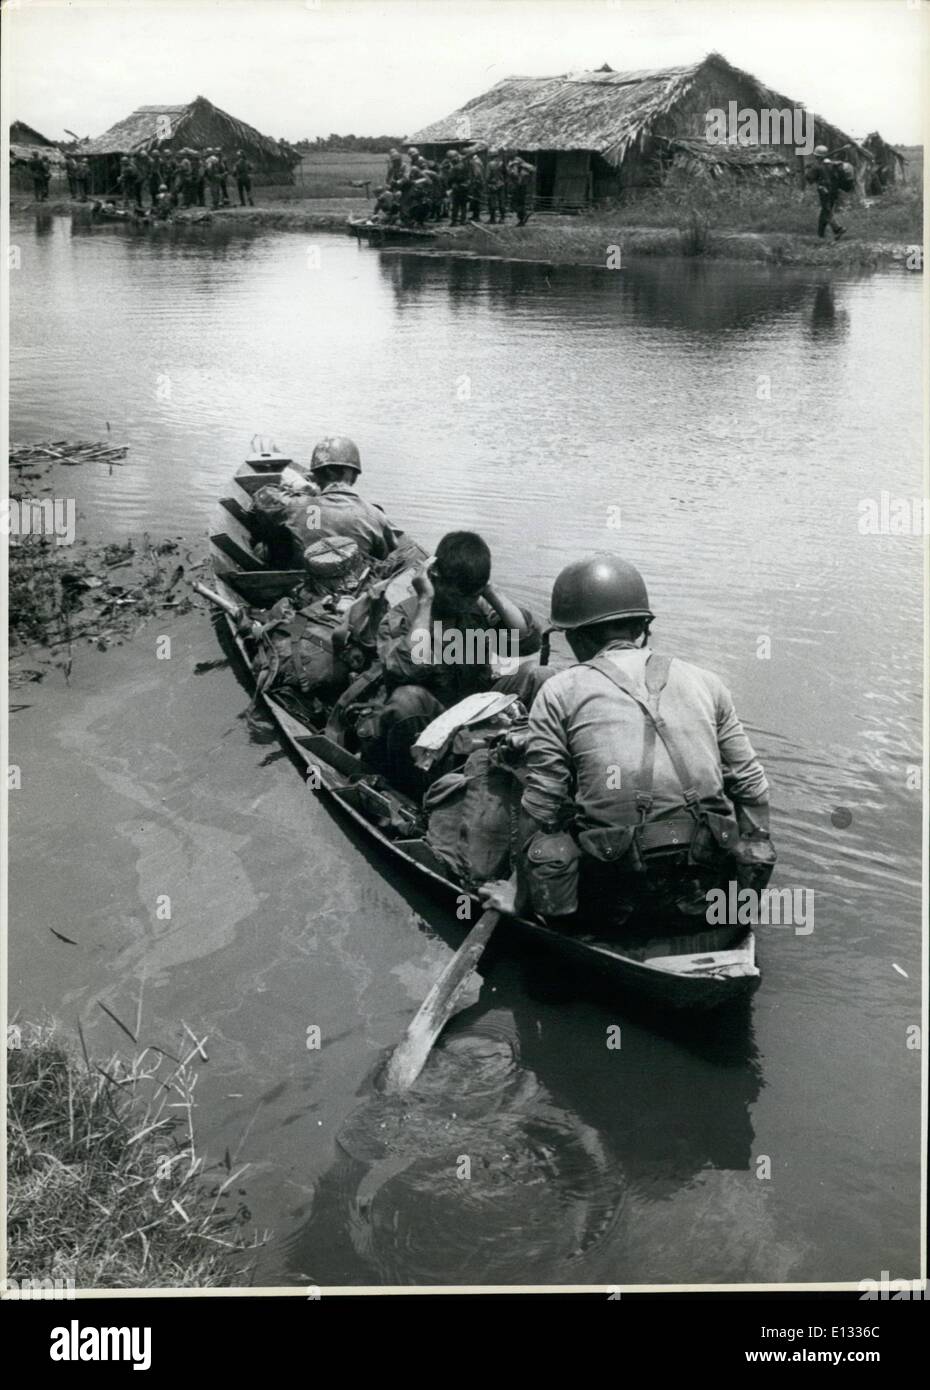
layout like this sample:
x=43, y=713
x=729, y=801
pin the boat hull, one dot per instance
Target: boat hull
x=700, y=972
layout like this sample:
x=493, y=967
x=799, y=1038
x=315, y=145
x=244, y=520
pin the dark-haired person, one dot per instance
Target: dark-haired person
x=661, y=805
x=435, y=649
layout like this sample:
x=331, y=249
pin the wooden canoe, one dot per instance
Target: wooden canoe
x=695, y=972
x=388, y=233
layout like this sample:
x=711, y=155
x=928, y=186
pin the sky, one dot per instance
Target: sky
x=297, y=68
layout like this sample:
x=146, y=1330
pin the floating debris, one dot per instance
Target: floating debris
x=66, y=451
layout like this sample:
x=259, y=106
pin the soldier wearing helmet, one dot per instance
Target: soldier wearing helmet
x=395, y=167
x=339, y=510
x=641, y=788
x=829, y=178
x=496, y=186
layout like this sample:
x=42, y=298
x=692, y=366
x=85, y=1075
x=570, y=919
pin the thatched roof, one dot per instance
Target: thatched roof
x=197, y=123
x=880, y=150
x=23, y=134
x=603, y=111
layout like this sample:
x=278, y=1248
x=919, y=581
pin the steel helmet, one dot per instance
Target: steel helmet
x=820, y=151
x=335, y=451
x=597, y=589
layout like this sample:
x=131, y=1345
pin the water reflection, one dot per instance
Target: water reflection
x=826, y=320
x=506, y=1163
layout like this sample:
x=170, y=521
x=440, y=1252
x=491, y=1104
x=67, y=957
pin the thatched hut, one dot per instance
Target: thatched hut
x=888, y=164
x=592, y=135
x=24, y=143
x=195, y=125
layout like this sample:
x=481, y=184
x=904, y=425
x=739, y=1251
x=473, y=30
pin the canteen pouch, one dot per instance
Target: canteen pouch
x=613, y=845
x=715, y=839
x=551, y=867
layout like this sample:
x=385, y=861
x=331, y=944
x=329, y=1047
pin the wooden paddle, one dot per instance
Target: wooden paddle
x=438, y=1006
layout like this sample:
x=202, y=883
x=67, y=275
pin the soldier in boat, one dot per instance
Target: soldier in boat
x=338, y=510
x=163, y=203
x=435, y=648
x=641, y=787
x=387, y=205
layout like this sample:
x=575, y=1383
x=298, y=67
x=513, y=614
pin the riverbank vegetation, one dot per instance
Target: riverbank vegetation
x=692, y=216
x=105, y=1184
x=65, y=590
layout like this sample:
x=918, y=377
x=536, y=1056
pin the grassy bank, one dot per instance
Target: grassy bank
x=105, y=1185
x=692, y=217
x=596, y=245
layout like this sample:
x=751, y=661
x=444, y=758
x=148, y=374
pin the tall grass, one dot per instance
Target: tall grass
x=754, y=206
x=105, y=1185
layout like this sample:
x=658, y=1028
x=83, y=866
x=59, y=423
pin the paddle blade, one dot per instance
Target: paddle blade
x=438, y=1007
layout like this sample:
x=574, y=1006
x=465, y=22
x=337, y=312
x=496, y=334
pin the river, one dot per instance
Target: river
x=721, y=425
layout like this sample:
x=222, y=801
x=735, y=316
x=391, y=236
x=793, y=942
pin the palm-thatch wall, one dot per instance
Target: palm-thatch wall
x=195, y=125
x=888, y=164
x=593, y=134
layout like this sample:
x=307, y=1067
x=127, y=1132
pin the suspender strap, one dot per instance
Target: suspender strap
x=657, y=669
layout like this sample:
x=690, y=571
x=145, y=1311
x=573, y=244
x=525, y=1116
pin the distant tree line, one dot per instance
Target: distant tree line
x=373, y=144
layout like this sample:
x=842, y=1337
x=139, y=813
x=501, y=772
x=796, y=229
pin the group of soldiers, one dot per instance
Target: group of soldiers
x=184, y=178
x=172, y=179
x=615, y=798
x=458, y=187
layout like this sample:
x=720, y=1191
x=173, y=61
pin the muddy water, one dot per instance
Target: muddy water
x=721, y=426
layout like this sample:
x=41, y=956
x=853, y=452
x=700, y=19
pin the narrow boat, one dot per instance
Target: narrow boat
x=387, y=233
x=700, y=971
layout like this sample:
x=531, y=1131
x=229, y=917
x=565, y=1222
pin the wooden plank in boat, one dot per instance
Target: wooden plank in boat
x=264, y=587
x=234, y=540
x=329, y=752
x=268, y=463
x=236, y=509
x=234, y=549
